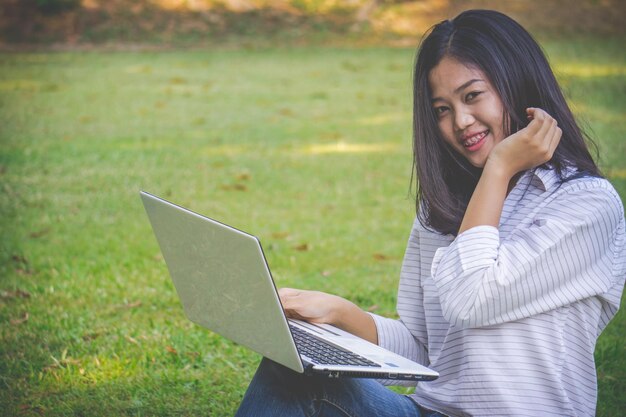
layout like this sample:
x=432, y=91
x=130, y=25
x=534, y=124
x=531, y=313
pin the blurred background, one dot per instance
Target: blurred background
x=86, y=22
x=290, y=119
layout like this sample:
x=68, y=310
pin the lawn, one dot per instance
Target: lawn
x=306, y=147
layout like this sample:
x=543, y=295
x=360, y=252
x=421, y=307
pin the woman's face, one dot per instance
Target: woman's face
x=469, y=110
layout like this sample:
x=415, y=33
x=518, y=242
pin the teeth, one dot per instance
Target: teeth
x=474, y=139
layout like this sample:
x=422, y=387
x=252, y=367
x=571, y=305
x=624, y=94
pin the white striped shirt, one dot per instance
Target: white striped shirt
x=509, y=316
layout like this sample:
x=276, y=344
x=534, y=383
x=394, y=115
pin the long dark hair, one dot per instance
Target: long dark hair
x=520, y=73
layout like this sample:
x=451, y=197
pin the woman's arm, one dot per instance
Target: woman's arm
x=573, y=249
x=567, y=254
x=391, y=334
x=526, y=149
x=564, y=256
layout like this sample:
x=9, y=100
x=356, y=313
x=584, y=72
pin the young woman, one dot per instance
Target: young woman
x=516, y=260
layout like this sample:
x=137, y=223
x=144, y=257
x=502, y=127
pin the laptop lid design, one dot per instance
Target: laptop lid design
x=221, y=286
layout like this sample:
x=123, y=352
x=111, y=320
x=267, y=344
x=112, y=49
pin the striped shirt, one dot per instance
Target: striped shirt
x=509, y=316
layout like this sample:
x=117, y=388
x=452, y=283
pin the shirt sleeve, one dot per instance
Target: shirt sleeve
x=394, y=335
x=573, y=249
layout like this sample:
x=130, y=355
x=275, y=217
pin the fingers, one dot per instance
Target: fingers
x=541, y=137
x=545, y=123
x=531, y=146
x=541, y=121
x=552, y=137
x=530, y=113
x=555, y=139
x=547, y=139
x=547, y=133
x=287, y=297
x=312, y=306
x=287, y=292
x=537, y=118
x=296, y=303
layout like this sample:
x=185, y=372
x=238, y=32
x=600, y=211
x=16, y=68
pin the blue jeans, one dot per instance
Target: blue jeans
x=279, y=391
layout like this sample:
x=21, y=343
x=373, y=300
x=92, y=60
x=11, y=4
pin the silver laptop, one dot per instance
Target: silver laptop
x=224, y=284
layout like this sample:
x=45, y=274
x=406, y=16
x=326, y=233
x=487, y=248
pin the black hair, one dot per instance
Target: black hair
x=521, y=75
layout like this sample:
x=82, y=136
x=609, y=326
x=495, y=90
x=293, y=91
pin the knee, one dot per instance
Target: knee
x=273, y=372
x=275, y=390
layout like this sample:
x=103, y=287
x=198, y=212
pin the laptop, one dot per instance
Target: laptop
x=224, y=284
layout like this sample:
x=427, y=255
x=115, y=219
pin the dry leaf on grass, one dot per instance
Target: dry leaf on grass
x=32, y=408
x=20, y=320
x=193, y=355
x=39, y=233
x=64, y=362
x=92, y=335
x=132, y=340
x=280, y=235
x=7, y=295
x=244, y=176
x=234, y=187
x=132, y=304
x=19, y=259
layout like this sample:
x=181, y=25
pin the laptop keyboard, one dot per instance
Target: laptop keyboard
x=325, y=353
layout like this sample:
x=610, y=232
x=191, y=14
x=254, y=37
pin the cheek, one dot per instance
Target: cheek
x=447, y=132
x=498, y=121
x=499, y=132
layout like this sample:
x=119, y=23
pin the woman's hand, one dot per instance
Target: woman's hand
x=313, y=306
x=532, y=146
x=320, y=307
x=528, y=148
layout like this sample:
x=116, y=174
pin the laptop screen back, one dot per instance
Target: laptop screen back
x=222, y=279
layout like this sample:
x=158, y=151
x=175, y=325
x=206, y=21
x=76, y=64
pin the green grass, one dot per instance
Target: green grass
x=308, y=148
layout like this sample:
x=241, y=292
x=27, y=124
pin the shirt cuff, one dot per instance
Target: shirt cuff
x=474, y=248
x=394, y=336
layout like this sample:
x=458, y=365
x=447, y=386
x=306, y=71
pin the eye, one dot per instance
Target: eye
x=441, y=110
x=472, y=95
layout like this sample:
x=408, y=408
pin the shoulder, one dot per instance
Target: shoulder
x=423, y=234
x=591, y=189
x=584, y=199
x=576, y=182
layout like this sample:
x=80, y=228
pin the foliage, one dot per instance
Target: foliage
x=56, y=6
x=210, y=21
x=308, y=148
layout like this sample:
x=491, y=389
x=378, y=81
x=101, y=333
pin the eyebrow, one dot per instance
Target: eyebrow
x=459, y=88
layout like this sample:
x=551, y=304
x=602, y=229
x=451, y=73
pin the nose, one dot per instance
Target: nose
x=463, y=119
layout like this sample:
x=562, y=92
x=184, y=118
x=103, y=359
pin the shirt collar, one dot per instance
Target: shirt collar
x=545, y=179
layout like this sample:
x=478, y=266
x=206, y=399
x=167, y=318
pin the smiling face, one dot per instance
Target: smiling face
x=470, y=112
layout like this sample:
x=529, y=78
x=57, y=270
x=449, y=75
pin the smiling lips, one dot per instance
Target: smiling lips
x=474, y=141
